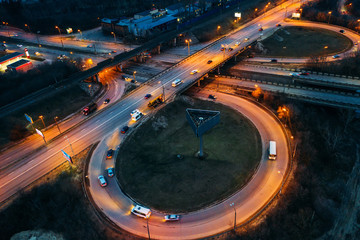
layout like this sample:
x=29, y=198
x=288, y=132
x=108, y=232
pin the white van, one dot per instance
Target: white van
x=272, y=150
x=141, y=211
x=176, y=82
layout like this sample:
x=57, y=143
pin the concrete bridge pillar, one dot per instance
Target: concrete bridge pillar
x=97, y=79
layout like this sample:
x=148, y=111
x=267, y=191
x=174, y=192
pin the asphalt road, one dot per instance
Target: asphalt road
x=35, y=164
x=353, y=36
x=209, y=221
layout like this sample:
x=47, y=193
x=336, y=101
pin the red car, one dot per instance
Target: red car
x=261, y=29
x=304, y=73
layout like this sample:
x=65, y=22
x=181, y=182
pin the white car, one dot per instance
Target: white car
x=237, y=43
x=246, y=39
x=19, y=45
x=102, y=181
x=194, y=71
x=172, y=217
x=136, y=115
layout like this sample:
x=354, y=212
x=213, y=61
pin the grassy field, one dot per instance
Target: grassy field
x=61, y=104
x=150, y=172
x=305, y=42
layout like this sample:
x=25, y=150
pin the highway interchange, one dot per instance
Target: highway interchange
x=32, y=159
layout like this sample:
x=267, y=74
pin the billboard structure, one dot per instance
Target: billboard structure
x=202, y=121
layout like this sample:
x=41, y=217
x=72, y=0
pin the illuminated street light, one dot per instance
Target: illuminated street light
x=134, y=75
x=80, y=34
x=62, y=44
x=42, y=119
x=329, y=16
x=26, y=25
x=114, y=36
x=217, y=29
x=7, y=27
x=188, y=43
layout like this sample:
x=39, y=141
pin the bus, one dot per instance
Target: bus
x=272, y=150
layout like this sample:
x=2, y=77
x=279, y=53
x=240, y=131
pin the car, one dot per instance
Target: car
x=136, y=115
x=124, y=129
x=172, y=217
x=102, y=181
x=210, y=61
x=273, y=60
x=113, y=51
x=246, y=39
x=109, y=153
x=336, y=56
x=110, y=172
x=106, y=101
x=250, y=56
x=19, y=45
x=230, y=49
x=89, y=46
x=261, y=29
x=147, y=96
x=222, y=49
x=37, y=54
x=133, y=81
x=237, y=43
x=342, y=31
x=304, y=73
x=294, y=74
x=212, y=96
x=194, y=71
x=278, y=25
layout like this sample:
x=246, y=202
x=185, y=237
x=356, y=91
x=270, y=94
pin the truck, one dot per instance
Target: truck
x=89, y=109
x=156, y=101
x=272, y=150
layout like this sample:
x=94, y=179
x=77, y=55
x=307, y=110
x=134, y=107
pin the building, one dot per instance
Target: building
x=146, y=23
x=175, y=9
x=22, y=65
x=142, y=24
x=9, y=59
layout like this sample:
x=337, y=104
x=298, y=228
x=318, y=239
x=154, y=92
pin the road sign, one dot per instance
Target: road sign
x=67, y=156
x=39, y=132
x=29, y=118
x=202, y=120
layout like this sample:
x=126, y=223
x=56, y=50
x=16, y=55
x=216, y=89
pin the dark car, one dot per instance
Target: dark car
x=212, y=96
x=106, y=101
x=261, y=29
x=230, y=49
x=210, y=61
x=124, y=129
x=342, y=31
x=147, y=96
x=250, y=56
x=278, y=25
x=304, y=73
x=222, y=49
x=273, y=60
x=109, y=154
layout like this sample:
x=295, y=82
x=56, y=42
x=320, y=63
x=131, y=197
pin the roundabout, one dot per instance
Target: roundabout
x=208, y=221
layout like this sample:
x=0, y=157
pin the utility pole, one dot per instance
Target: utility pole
x=147, y=223
x=233, y=205
x=69, y=145
x=55, y=118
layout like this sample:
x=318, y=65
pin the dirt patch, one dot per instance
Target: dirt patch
x=151, y=173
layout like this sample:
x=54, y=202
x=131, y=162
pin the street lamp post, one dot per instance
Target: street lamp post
x=42, y=119
x=147, y=225
x=114, y=36
x=37, y=37
x=80, y=34
x=217, y=29
x=281, y=181
x=55, y=118
x=26, y=25
x=7, y=27
x=62, y=44
x=188, y=43
x=69, y=145
x=134, y=75
x=233, y=205
x=329, y=16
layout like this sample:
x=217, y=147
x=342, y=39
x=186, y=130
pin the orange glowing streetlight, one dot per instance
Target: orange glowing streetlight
x=330, y=12
x=188, y=43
